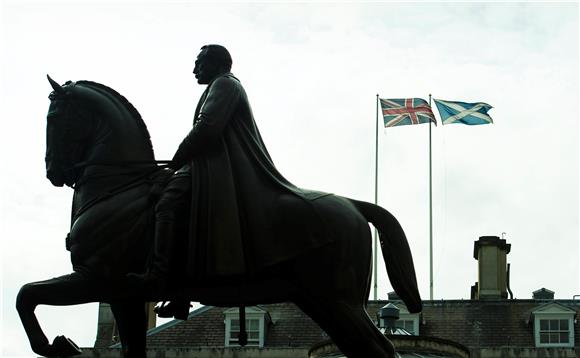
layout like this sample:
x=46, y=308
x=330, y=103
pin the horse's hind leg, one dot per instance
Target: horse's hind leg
x=131, y=321
x=350, y=328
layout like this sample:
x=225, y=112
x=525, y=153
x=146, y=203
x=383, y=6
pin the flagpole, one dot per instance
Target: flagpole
x=376, y=195
x=430, y=215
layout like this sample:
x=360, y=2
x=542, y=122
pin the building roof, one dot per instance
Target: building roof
x=476, y=323
x=205, y=327
x=472, y=323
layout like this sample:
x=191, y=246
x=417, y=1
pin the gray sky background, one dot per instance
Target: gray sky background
x=312, y=73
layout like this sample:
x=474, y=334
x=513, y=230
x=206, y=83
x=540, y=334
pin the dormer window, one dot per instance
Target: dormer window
x=256, y=323
x=554, y=326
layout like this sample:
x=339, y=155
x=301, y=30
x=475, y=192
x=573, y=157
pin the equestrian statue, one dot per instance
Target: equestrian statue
x=218, y=224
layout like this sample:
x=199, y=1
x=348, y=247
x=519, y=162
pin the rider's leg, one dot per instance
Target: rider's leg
x=175, y=198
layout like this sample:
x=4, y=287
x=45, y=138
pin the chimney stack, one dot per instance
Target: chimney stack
x=107, y=333
x=490, y=253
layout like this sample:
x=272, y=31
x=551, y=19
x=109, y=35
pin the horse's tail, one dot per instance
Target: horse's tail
x=396, y=253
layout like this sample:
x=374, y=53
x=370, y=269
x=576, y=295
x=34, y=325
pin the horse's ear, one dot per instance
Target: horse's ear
x=55, y=86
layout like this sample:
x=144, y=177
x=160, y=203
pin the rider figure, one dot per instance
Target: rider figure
x=227, y=179
x=213, y=61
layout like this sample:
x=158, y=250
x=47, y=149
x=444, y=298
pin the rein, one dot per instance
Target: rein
x=118, y=163
x=122, y=163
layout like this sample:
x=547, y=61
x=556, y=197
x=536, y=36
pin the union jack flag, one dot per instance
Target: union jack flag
x=405, y=111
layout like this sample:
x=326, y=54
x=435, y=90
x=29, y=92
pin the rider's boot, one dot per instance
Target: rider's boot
x=156, y=276
x=178, y=308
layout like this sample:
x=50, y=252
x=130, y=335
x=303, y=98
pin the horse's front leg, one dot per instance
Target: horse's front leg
x=60, y=291
x=131, y=319
x=25, y=306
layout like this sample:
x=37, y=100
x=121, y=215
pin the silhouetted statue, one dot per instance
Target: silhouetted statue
x=236, y=233
x=237, y=189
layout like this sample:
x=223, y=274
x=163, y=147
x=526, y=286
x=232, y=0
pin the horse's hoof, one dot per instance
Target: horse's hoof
x=64, y=347
x=44, y=350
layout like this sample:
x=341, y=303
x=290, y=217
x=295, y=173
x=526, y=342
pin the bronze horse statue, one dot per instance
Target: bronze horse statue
x=98, y=144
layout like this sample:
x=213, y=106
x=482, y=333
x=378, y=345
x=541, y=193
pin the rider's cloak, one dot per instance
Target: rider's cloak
x=244, y=214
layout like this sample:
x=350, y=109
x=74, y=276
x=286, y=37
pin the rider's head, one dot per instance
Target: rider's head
x=212, y=61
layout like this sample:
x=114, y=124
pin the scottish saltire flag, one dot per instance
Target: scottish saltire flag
x=405, y=111
x=466, y=113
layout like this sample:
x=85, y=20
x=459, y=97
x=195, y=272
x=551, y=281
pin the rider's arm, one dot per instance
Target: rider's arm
x=216, y=111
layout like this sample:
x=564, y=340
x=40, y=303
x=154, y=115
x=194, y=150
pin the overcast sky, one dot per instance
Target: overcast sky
x=312, y=73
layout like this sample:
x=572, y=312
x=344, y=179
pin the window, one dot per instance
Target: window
x=252, y=328
x=256, y=323
x=554, y=326
x=554, y=331
x=408, y=321
x=406, y=324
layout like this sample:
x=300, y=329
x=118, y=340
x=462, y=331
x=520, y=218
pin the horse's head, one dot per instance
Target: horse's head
x=87, y=121
x=64, y=134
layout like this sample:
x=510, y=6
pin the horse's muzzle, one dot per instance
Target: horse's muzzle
x=56, y=178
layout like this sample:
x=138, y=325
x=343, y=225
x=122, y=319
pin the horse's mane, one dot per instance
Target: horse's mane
x=132, y=110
